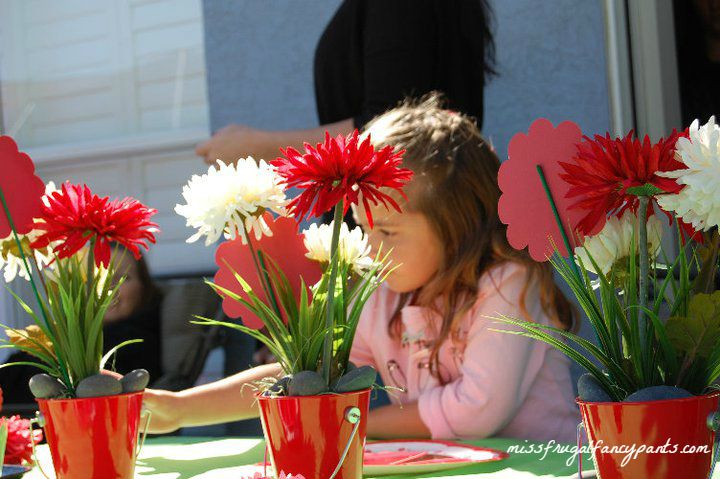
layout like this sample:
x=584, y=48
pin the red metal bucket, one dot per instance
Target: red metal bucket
x=93, y=438
x=622, y=433
x=308, y=434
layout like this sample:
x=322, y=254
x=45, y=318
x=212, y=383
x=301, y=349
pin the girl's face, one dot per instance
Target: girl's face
x=129, y=293
x=415, y=250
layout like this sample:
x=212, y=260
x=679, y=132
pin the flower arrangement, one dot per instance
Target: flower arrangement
x=656, y=318
x=67, y=239
x=306, y=290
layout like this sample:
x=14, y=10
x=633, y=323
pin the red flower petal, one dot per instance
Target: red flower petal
x=341, y=168
x=524, y=206
x=604, y=168
x=285, y=247
x=23, y=190
x=75, y=215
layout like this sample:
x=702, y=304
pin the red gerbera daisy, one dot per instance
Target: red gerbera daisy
x=604, y=169
x=74, y=216
x=341, y=169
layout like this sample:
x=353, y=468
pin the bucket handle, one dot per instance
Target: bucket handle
x=580, y=428
x=713, y=423
x=146, y=413
x=590, y=473
x=38, y=420
x=352, y=415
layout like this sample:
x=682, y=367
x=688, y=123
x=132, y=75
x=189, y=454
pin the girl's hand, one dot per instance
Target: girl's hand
x=165, y=409
x=397, y=421
x=238, y=141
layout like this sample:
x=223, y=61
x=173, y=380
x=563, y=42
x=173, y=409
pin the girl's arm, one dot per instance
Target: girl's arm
x=230, y=399
x=395, y=422
x=497, y=370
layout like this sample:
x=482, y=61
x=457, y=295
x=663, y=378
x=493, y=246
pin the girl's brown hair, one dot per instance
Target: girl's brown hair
x=455, y=187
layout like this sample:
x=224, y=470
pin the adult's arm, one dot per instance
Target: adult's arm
x=240, y=141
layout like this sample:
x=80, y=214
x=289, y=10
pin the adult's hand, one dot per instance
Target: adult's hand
x=239, y=141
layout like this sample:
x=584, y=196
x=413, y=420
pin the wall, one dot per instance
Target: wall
x=259, y=60
x=552, y=64
x=550, y=57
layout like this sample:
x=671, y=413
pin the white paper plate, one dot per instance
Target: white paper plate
x=453, y=451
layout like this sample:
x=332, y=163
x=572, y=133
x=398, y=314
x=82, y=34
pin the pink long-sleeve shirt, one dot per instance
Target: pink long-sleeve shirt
x=498, y=384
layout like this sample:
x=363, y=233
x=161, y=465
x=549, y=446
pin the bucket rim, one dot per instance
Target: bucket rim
x=92, y=399
x=261, y=397
x=582, y=402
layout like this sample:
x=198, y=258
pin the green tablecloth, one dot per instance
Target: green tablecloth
x=234, y=458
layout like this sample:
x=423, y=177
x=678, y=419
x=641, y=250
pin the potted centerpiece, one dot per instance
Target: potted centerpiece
x=69, y=240
x=648, y=400
x=301, y=294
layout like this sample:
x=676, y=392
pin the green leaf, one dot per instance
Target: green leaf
x=44, y=367
x=47, y=359
x=109, y=354
x=274, y=348
x=698, y=333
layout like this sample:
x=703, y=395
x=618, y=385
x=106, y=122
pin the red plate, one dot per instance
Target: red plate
x=419, y=456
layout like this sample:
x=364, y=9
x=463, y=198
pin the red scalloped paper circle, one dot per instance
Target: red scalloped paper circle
x=524, y=206
x=285, y=247
x=23, y=190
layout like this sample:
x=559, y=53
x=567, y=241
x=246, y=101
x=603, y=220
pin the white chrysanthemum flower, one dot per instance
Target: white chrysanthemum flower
x=231, y=199
x=49, y=189
x=353, y=246
x=11, y=261
x=698, y=203
x=613, y=243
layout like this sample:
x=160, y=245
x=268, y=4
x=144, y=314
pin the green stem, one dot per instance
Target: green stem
x=705, y=281
x=269, y=285
x=261, y=270
x=644, y=267
x=90, y=270
x=566, y=240
x=63, y=367
x=42, y=278
x=330, y=314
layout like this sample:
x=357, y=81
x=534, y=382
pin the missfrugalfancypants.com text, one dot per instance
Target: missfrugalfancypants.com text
x=630, y=451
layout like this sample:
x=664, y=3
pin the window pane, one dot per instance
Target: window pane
x=76, y=71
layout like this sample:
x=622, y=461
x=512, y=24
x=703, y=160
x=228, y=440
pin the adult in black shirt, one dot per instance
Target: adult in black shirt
x=372, y=55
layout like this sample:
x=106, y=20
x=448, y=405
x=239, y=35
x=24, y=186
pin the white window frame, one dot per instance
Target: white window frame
x=642, y=66
x=642, y=73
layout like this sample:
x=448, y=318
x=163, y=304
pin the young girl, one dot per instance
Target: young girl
x=429, y=330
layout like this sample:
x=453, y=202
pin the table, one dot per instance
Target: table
x=226, y=458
